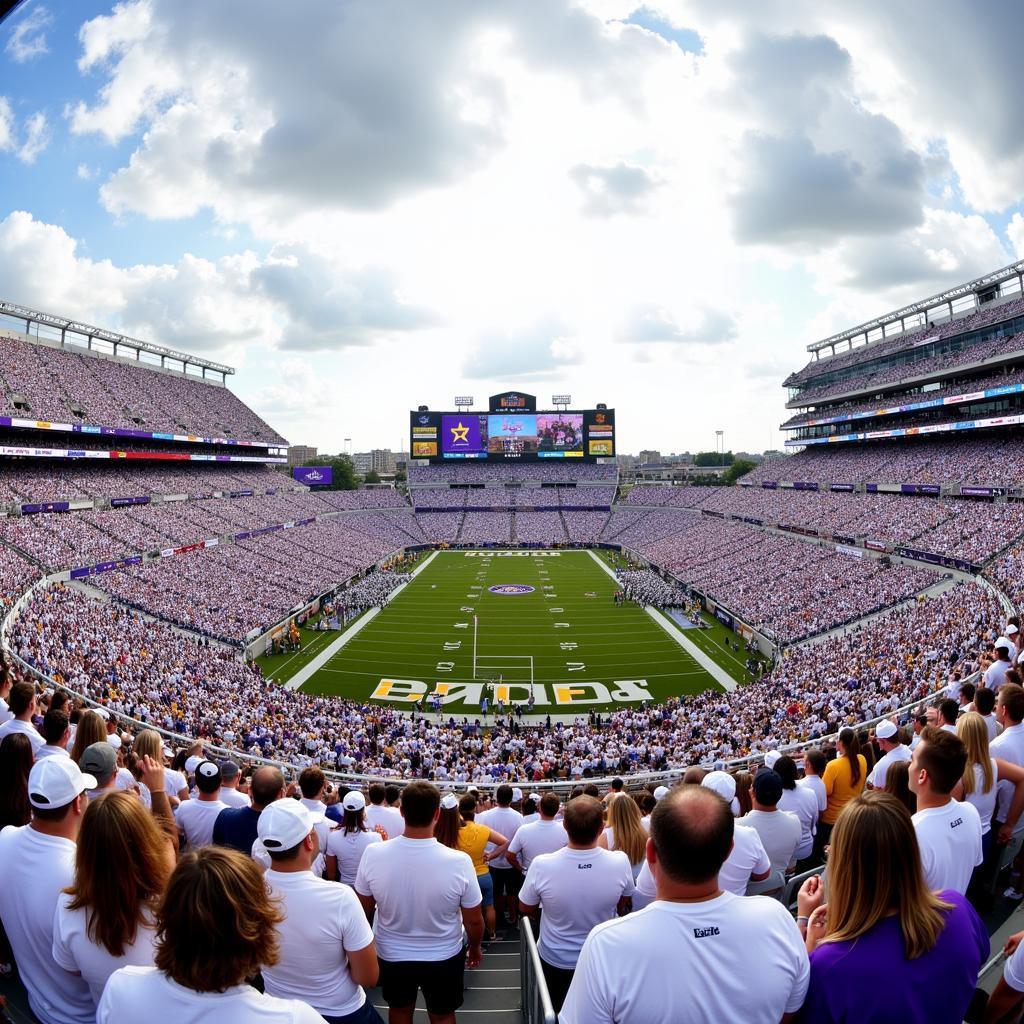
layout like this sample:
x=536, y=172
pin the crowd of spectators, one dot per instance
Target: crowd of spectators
x=63, y=386
x=549, y=471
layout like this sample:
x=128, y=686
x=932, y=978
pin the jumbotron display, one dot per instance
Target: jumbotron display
x=512, y=428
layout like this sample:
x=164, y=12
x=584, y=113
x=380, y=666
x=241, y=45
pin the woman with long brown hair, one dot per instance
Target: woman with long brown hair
x=91, y=729
x=881, y=921
x=15, y=765
x=845, y=777
x=625, y=832
x=106, y=917
x=457, y=830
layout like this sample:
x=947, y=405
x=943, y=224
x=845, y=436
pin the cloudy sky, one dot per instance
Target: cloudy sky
x=365, y=205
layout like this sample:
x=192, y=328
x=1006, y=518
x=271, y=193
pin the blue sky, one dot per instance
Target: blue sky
x=374, y=204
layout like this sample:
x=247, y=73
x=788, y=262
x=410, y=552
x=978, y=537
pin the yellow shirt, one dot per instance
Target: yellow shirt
x=840, y=787
x=473, y=840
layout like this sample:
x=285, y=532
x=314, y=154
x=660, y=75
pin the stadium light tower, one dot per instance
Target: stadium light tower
x=720, y=446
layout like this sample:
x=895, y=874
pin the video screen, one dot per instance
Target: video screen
x=512, y=434
x=560, y=432
x=465, y=434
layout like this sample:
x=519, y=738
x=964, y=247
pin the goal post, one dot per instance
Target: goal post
x=490, y=668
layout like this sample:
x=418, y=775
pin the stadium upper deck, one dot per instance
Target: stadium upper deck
x=951, y=363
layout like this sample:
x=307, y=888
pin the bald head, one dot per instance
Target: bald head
x=267, y=786
x=692, y=829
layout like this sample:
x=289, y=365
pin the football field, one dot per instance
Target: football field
x=505, y=625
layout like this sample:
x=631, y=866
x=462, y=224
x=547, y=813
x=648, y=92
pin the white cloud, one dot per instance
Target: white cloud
x=618, y=188
x=6, y=125
x=37, y=137
x=28, y=40
x=538, y=351
x=654, y=324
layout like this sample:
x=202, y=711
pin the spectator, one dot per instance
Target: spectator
x=948, y=832
x=573, y=902
x=984, y=704
x=230, y=775
x=23, y=706
x=893, y=749
x=105, y=918
x=312, y=786
x=6, y=682
x=216, y=927
x=780, y=831
x=995, y=674
x=684, y=959
x=506, y=822
x=743, y=803
x=56, y=733
x=423, y=895
x=325, y=943
x=91, y=729
x=949, y=712
x=882, y=921
x=1007, y=1000
x=457, y=830
x=803, y=804
x=380, y=814
x=237, y=827
x=100, y=761
x=196, y=818
x=39, y=861
x=844, y=778
x=15, y=766
x=897, y=784
x=347, y=841
x=625, y=832
x=545, y=835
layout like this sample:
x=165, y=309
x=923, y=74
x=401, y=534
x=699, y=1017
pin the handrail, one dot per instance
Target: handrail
x=536, y=1002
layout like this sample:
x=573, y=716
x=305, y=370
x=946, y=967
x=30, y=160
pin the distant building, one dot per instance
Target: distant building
x=649, y=456
x=300, y=454
x=378, y=460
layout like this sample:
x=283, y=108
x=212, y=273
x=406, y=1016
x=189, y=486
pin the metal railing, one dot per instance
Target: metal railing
x=536, y=1001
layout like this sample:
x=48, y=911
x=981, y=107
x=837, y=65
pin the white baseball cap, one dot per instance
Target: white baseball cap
x=660, y=792
x=284, y=824
x=1004, y=643
x=354, y=801
x=535, y=797
x=449, y=801
x=721, y=783
x=1010, y=629
x=192, y=764
x=56, y=781
x=770, y=758
x=517, y=795
x=886, y=730
x=114, y=740
x=102, y=712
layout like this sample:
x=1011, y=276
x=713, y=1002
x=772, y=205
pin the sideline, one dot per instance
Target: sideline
x=332, y=649
x=710, y=666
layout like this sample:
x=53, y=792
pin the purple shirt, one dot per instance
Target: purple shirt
x=870, y=980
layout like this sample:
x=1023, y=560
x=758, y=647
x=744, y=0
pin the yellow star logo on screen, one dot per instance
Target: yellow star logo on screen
x=460, y=433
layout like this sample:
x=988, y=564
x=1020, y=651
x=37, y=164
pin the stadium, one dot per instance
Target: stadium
x=532, y=729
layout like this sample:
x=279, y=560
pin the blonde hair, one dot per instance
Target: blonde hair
x=91, y=729
x=973, y=733
x=627, y=829
x=149, y=743
x=875, y=867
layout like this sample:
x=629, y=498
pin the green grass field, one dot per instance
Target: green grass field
x=566, y=636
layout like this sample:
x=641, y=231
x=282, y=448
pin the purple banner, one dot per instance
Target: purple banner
x=805, y=485
x=920, y=489
x=242, y=494
x=982, y=492
x=769, y=485
x=92, y=570
x=725, y=618
x=872, y=488
x=44, y=506
x=141, y=500
x=841, y=487
x=931, y=558
x=314, y=476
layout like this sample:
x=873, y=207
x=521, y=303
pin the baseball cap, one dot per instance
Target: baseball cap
x=768, y=787
x=517, y=795
x=721, y=783
x=354, y=801
x=770, y=758
x=56, y=781
x=102, y=712
x=535, y=797
x=100, y=761
x=660, y=792
x=114, y=740
x=886, y=730
x=229, y=770
x=1010, y=629
x=449, y=801
x=192, y=763
x=284, y=824
x=208, y=777
x=1004, y=643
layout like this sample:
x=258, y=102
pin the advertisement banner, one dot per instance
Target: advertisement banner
x=844, y=549
x=947, y=561
x=725, y=618
x=313, y=476
x=841, y=487
x=769, y=485
x=805, y=485
x=982, y=492
x=44, y=506
x=119, y=502
x=920, y=489
x=876, y=545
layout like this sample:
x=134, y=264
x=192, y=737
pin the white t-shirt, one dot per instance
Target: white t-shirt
x=691, y=963
x=17, y=725
x=900, y=753
x=992, y=725
x=6, y=714
x=1013, y=970
x=35, y=869
x=746, y=858
x=174, y=782
x=536, y=838
x=950, y=842
x=349, y=851
x=46, y=750
x=577, y=889
x=995, y=674
x=984, y=803
x=506, y=822
x=195, y=818
x=233, y=798
x=322, y=921
x=780, y=835
x=1008, y=746
x=421, y=888
x=389, y=818
x=74, y=950
x=137, y=993
x=817, y=787
x=803, y=803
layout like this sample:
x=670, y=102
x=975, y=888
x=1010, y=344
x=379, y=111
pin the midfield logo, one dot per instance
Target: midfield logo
x=511, y=589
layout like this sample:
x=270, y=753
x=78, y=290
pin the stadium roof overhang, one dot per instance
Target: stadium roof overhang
x=978, y=286
x=34, y=316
